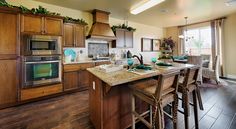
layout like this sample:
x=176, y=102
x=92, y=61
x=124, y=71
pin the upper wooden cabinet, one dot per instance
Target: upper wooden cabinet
x=8, y=34
x=35, y=24
x=74, y=35
x=53, y=26
x=124, y=39
x=69, y=35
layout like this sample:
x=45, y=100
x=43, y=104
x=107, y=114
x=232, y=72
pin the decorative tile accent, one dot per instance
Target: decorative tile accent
x=101, y=49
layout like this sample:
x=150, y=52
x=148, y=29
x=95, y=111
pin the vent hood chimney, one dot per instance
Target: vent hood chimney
x=101, y=29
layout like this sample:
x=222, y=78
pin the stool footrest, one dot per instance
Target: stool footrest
x=142, y=119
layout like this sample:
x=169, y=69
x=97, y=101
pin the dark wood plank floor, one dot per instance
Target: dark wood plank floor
x=71, y=112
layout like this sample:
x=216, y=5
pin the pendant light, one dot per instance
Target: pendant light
x=185, y=36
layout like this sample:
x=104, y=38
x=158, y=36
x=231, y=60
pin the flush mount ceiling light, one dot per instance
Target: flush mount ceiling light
x=230, y=3
x=144, y=6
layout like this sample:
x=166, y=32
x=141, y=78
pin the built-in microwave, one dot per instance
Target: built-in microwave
x=35, y=45
x=41, y=70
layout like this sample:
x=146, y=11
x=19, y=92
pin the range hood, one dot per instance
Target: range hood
x=101, y=29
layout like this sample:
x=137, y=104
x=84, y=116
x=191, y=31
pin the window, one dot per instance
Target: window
x=198, y=41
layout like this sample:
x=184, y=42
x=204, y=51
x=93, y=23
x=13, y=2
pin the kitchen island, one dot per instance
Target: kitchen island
x=110, y=95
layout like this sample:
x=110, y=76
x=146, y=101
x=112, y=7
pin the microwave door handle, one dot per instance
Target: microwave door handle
x=42, y=62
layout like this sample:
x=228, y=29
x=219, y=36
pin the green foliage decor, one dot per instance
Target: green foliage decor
x=5, y=4
x=43, y=11
x=77, y=21
x=122, y=26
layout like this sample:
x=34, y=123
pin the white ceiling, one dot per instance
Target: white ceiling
x=168, y=13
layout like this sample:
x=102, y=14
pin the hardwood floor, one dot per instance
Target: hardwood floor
x=71, y=112
x=65, y=112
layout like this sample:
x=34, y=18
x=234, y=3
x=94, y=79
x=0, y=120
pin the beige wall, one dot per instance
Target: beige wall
x=142, y=30
x=229, y=48
x=173, y=32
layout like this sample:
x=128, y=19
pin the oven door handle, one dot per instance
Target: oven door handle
x=42, y=62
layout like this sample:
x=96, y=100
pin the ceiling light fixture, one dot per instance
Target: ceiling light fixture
x=145, y=6
x=185, y=33
x=230, y=3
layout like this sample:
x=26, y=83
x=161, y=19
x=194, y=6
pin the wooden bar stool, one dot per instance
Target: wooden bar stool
x=188, y=84
x=157, y=93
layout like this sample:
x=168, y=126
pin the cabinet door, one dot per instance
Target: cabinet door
x=128, y=39
x=8, y=81
x=71, y=80
x=32, y=24
x=83, y=79
x=120, y=39
x=68, y=35
x=8, y=34
x=79, y=36
x=53, y=26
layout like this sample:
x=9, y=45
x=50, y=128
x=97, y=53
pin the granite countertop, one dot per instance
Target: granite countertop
x=124, y=76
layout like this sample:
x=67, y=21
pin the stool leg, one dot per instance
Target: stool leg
x=199, y=98
x=186, y=110
x=175, y=112
x=150, y=114
x=195, y=109
x=133, y=110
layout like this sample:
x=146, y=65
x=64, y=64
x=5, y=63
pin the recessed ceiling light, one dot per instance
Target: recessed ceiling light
x=145, y=6
x=164, y=10
x=230, y=3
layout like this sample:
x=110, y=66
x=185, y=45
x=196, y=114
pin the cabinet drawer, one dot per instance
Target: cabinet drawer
x=84, y=66
x=41, y=91
x=77, y=67
x=71, y=67
x=102, y=63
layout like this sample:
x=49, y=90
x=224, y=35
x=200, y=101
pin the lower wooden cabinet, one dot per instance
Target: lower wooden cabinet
x=83, y=79
x=32, y=93
x=8, y=82
x=76, y=76
x=71, y=80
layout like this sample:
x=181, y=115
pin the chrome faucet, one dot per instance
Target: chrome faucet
x=140, y=59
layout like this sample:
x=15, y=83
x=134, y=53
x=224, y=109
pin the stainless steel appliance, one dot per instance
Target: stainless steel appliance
x=41, y=70
x=41, y=45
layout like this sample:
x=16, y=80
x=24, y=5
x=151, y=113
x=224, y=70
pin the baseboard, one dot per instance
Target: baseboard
x=229, y=77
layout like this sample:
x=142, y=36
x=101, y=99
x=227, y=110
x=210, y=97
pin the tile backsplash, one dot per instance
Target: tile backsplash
x=84, y=52
x=98, y=49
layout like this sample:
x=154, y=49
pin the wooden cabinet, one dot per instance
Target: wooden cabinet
x=128, y=39
x=76, y=76
x=53, y=26
x=102, y=63
x=74, y=35
x=8, y=82
x=69, y=35
x=32, y=93
x=71, y=81
x=34, y=24
x=83, y=76
x=9, y=52
x=124, y=39
x=8, y=34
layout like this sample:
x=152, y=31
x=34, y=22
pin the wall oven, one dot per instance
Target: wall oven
x=41, y=45
x=41, y=70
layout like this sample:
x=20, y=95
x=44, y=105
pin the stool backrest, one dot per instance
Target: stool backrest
x=191, y=76
x=166, y=81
